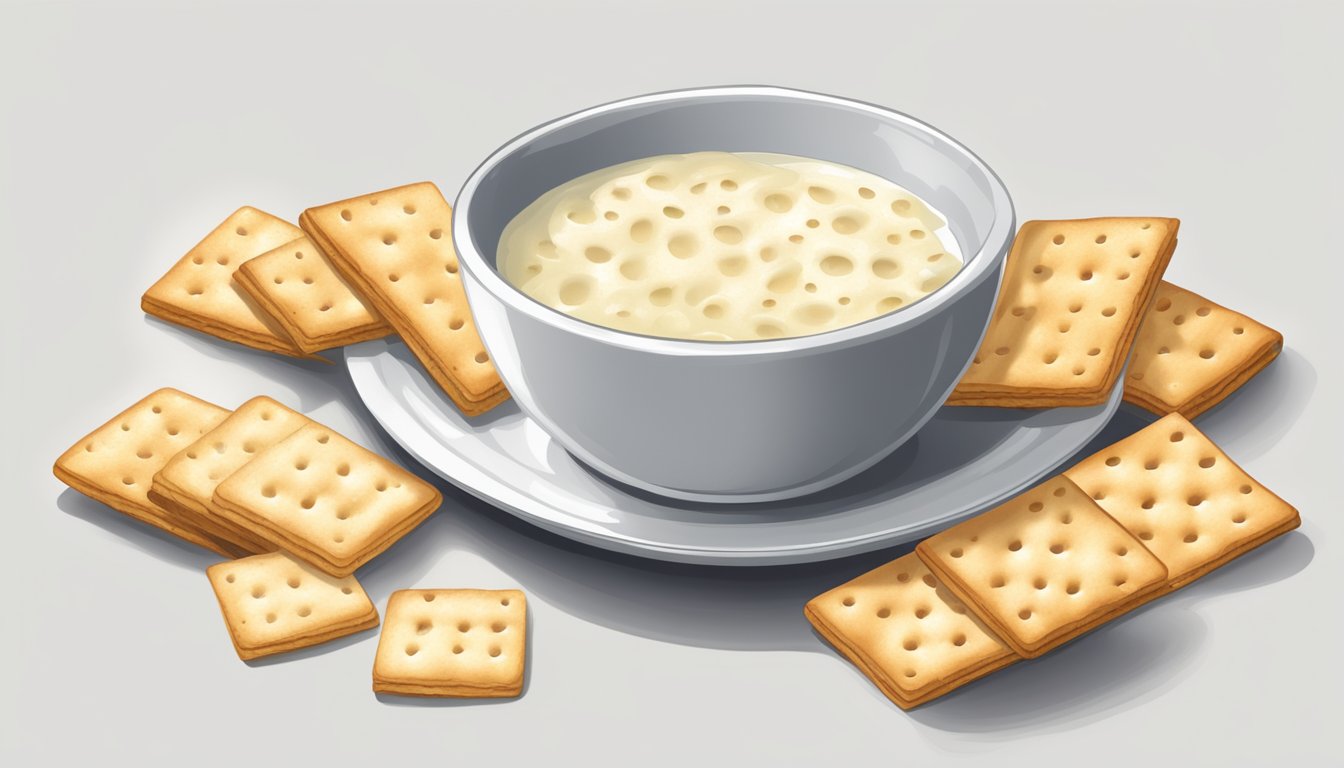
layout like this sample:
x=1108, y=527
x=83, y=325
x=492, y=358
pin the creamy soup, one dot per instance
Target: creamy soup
x=727, y=246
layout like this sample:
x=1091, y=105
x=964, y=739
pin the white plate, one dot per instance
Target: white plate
x=963, y=461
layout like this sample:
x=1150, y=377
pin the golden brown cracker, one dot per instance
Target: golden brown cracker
x=273, y=603
x=1072, y=298
x=395, y=248
x=297, y=287
x=453, y=642
x=1183, y=498
x=199, y=292
x=911, y=636
x=1190, y=353
x=1044, y=567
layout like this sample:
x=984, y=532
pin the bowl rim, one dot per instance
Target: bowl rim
x=976, y=268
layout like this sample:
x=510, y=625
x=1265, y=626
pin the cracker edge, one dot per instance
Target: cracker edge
x=1218, y=391
x=171, y=498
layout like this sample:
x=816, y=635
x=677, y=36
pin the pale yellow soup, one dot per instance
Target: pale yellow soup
x=727, y=246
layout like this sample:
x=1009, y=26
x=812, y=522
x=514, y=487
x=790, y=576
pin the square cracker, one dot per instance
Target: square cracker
x=453, y=642
x=199, y=292
x=115, y=463
x=187, y=482
x=395, y=247
x=906, y=632
x=1072, y=298
x=1191, y=353
x=1185, y=499
x=297, y=287
x=274, y=603
x=321, y=497
x=1044, y=567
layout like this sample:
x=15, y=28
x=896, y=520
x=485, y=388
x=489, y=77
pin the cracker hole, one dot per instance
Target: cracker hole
x=495, y=651
x=423, y=626
x=1194, y=500
x=1245, y=489
x=412, y=649
x=457, y=649
x=408, y=209
x=1101, y=239
x=1057, y=549
x=268, y=491
x=347, y=590
x=1014, y=545
x=1059, y=492
x=1148, y=503
x=921, y=612
x=435, y=234
x=1066, y=519
x=1024, y=614
x=997, y=582
x=464, y=627
x=910, y=644
x=429, y=597
x=1239, y=518
x=848, y=602
x=230, y=578
x=481, y=357
x=293, y=582
x=929, y=581
x=1121, y=551
x=1146, y=535
x=301, y=464
x=1177, y=436
x=1207, y=354
x=270, y=618
x=1238, y=330
x=1039, y=583
x=1206, y=462
x=902, y=577
x=304, y=612
x=497, y=627
x=389, y=238
x=1058, y=240
x=455, y=324
x=1120, y=581
x=956, y=552
x=883, y=612
x=1191, y=537
x=343, y=469
x=345, y=214
x=1113, y=461
x=1085, y=275
x=1072, y=588
x=1036, y=506
x=1151, y=464
x=258, y=592
x=308, y=502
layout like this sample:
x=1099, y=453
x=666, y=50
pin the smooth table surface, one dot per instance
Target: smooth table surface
x=127, y=132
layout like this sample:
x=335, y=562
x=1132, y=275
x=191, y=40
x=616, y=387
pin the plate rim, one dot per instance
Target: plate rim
x=456, y=470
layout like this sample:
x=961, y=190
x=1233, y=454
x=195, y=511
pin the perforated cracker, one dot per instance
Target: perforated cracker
x=187, y=482
x=274, y=603
x=1072, y=298
x=395, y=248
x=318, y=496
x=1045, y=567
x=115, y=463
x=1190, y=353
x=453, y=642
x=1190, y=504
x=199, y=291
x=911, y=636
x=297, y=287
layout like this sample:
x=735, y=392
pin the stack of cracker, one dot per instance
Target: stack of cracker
x=354, y=272
x=1141, y=518
x=256, y=480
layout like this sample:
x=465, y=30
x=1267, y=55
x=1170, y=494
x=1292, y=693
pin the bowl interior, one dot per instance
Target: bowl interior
x=872, y=139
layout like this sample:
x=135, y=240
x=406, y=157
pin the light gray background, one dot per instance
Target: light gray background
x=127, y=132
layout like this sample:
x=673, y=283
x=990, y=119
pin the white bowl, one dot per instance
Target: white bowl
x=734, y=421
